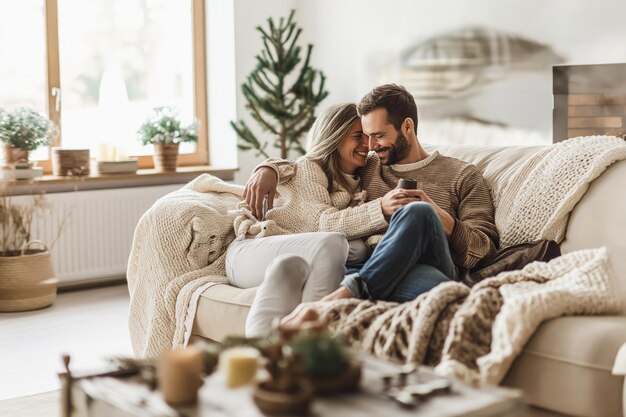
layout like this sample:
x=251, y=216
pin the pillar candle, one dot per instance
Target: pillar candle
x=105, y=152
x=179, y=375
x=239, y=365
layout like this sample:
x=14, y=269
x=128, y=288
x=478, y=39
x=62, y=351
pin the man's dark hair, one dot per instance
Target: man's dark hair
x=394, y=98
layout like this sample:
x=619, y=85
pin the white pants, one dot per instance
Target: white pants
x=314, y=269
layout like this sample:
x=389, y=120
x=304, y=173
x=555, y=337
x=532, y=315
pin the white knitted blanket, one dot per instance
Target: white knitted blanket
x=178, y=246
x=539, y=197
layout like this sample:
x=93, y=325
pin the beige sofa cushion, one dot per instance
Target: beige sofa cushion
x=222, y=312
x=496, y=163
x=566, y=366
x=598, y=218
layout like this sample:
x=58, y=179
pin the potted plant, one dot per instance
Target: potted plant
x=164, y=130
x=21, y=131
x=27, y=278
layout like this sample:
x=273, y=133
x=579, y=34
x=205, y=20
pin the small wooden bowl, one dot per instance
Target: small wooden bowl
x=295, y=402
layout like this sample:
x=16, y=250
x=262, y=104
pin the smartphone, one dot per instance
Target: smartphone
x=407, y=184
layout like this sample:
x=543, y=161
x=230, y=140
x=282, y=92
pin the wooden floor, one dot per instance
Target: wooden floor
x=90, y=325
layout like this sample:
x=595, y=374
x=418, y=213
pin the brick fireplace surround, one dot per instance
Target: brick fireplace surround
x=589, y=100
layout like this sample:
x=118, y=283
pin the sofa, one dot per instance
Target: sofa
x=567, y=365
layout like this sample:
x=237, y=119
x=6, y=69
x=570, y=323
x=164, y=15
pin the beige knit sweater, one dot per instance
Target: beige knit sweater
x=455, y=186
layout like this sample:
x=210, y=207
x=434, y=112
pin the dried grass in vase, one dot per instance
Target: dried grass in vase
x=16, y=221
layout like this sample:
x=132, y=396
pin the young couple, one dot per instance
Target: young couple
x=335, y=202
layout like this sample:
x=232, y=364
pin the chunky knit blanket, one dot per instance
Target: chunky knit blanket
x=475, y=334
x=536, y=202
x=179, y=246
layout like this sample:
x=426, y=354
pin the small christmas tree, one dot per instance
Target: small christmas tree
x=281, y=99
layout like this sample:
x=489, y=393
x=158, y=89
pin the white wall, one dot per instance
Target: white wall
x=221, y=82
x=353, y=38
x=248, y=15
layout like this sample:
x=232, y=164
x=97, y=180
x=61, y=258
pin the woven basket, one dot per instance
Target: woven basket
x=27, y=280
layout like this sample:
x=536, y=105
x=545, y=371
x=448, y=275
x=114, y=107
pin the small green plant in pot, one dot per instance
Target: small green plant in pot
x=22, y=131
x=163, y=129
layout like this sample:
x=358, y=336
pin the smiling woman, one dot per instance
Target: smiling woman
x=108, y=64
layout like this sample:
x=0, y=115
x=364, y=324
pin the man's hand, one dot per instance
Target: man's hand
x=262, y=182
x=399, y=197
x=396, y=199
x=446, y=220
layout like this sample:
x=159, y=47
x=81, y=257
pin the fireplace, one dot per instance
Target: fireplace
x=589, y=100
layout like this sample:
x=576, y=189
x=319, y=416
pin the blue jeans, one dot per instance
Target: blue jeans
x=412, y=258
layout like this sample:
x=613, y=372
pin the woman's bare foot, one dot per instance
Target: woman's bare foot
x=305, y=316
x=338, y=294
x=298, y=318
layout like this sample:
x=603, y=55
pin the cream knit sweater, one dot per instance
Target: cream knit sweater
x=303, y=204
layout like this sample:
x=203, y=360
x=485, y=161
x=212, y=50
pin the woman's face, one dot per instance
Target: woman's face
x=353, y=149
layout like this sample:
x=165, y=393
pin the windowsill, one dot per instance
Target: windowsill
x=143, y=178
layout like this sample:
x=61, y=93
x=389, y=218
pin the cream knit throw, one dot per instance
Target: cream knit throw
x=179, y=244
x=539, y=197
x=476, y=334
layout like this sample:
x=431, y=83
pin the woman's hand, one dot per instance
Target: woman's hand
x=262, y=182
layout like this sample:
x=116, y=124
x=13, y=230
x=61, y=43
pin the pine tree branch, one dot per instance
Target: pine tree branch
x=245, y=135
x=259, y=118
x=299, y=118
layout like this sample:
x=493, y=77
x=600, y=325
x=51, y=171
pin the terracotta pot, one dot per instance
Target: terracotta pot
x=27, y=280
x=166, y=157
x=13, y=155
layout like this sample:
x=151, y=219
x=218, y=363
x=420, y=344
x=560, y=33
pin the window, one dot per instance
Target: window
x=105, y=64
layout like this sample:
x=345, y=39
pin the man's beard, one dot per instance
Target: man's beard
x=399, y=150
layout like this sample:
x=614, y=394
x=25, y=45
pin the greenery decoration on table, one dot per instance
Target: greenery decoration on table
x=25, y=129
x=281, y=98
x=163, y=126
x=323, y=355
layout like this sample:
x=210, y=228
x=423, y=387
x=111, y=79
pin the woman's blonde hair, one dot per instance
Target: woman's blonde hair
x=324, y=140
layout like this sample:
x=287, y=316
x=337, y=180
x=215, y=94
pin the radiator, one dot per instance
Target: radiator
x=96, y=238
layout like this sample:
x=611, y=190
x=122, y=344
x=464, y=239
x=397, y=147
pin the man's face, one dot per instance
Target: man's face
x=390, y=145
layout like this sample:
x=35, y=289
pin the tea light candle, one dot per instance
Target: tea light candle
x=239, y=365
x=179, y=375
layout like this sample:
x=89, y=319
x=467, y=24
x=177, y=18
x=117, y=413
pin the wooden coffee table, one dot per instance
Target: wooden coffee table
x=114, y=397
